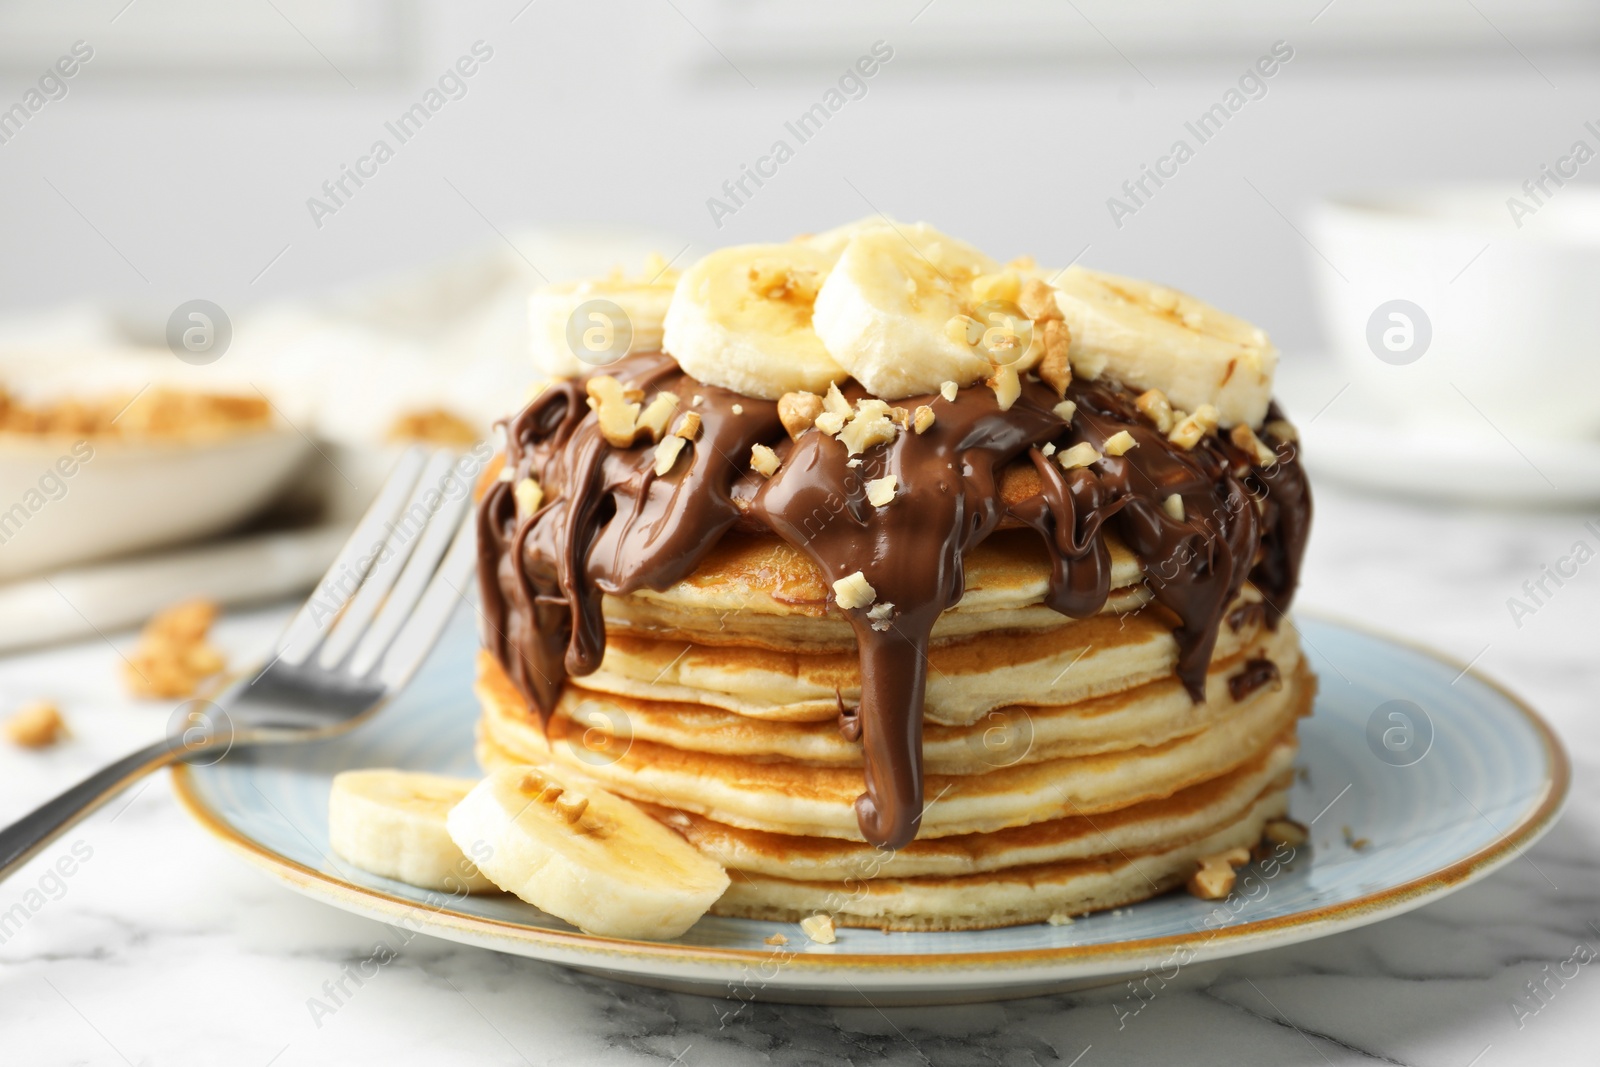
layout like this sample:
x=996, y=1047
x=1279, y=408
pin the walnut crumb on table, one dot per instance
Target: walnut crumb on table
x=36, y=725
x=173, y=657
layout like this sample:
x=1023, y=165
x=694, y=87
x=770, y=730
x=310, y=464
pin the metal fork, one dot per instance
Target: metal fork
x=367, y=627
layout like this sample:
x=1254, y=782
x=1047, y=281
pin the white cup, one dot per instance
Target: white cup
x=1448, y=315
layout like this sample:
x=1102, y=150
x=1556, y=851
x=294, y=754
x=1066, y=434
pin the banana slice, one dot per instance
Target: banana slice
x=392, y=823
x=1150, y=337
x=741, y=319
x=833, y=241
x=565, y=845
x=578, y=326
x=891, y=313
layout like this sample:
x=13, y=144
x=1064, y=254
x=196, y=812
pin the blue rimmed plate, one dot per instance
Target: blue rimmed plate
x=1417, y=776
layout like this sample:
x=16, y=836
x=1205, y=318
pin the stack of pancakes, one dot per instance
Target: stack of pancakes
x=1068, y=770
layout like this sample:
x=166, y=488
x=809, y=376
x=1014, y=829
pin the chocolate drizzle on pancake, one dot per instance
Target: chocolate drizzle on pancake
x=609, y=524
x=1254, y=675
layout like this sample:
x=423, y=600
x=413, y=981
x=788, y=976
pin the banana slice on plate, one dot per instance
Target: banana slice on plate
x=1151, y=337
x=741, y=319
x=896, y=312
x=392, y=823
x=566, y=846
x=577, y=327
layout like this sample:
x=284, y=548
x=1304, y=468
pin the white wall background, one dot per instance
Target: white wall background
x=192, y=166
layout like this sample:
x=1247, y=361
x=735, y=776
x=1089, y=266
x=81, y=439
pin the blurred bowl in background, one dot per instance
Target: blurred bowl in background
x=66, y=499
x=1455, y=310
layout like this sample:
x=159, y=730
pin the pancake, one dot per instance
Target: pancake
x=807, y=800
x=967, y=677
x=1006, y=898
x=1152, y=713
x=776, y=598
x=1187, y=814
x=1063, y=867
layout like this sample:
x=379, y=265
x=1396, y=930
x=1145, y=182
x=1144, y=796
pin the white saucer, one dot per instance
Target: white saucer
x=1346, y=439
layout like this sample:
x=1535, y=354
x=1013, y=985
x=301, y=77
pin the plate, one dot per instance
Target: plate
x=1417, y=776
x=108, y=496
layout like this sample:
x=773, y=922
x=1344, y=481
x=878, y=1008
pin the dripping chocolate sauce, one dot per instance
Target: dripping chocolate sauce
x=609, y=524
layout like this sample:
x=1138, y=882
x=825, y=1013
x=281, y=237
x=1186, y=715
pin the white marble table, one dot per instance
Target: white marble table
x=163, y=949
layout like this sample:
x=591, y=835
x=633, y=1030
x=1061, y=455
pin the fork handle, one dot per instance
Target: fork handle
x=23, y=839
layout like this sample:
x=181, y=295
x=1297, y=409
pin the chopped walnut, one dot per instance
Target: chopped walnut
x=922, y=418
x=1081, y=454
x=1065, y=410
x=880, y=491
x=688, y=426
x=776, y=939
x=1191, y=429
x=36, y=725
x=1282, y=430
x=434, y=426
x=853, y=591
x=1049, y=449
x=655, y=418
x=529, y=496
x=618, y=417
x=1038, y=301
x=819, y=928
x=1002, y=344
x=1245, y=439
x=830, y=423
x=1155, y=406
x=157, y=412
x=667, y=453
x=1055, y=370
x=871, y=426
x=1120, y=443
x=835, y=403
x=173, y=657
x=1006, y=384
x=798, y=412
x=1173, y=506
x=1215, y=877
x=948, y=390
x=737, y=409
x=764, y=460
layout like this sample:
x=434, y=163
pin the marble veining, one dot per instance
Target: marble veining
x=161, y=948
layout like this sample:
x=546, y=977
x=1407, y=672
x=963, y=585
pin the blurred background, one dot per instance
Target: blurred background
x=1396, y=193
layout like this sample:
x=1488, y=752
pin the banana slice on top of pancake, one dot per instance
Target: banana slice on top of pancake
x=897, y=310
x=741, y=319
x=576, y=327
x=1149, y=336
x=392, y=823
x=566, y=846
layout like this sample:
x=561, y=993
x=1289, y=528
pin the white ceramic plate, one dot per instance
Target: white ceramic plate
x=1482, y=778
x=129, y=495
